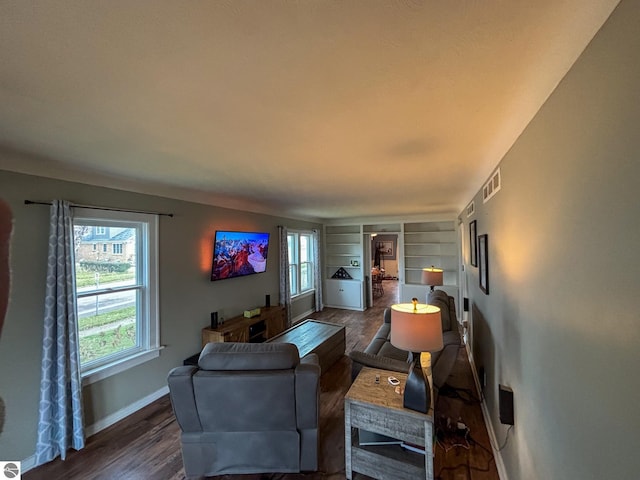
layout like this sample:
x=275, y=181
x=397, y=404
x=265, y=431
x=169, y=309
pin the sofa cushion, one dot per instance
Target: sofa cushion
x=440, y=299
x=390, y=351
x=376, y=361
x=450, y=338
x=384, y=331
x=375, y=345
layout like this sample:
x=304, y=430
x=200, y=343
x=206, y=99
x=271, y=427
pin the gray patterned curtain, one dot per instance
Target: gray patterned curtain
x=285, y=286
x=317, y=272
x=6, y=226
x=60, y=423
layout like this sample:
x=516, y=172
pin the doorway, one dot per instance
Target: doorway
x=381, y=253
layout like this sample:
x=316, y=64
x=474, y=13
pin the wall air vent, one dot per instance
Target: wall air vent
x=471, y=209
x=491, y=187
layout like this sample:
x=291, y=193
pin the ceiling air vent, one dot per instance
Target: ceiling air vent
x=491, y=187
x=471, y=209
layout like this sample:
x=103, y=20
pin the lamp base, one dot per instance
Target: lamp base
x=417, y=393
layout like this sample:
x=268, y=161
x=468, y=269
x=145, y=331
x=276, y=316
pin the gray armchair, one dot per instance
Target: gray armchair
x=247, y=408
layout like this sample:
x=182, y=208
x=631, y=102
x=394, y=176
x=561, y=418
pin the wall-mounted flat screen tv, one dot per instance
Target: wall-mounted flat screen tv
x=236, y=254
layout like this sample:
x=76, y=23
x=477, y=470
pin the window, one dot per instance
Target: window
x=117, y=297
x=301, y=267
x=101, y=230
x=95, y=247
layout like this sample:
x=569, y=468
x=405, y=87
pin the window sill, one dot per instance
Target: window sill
x=105, y=371
x=302, y=295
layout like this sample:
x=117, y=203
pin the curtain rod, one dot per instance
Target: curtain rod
x=93, y=207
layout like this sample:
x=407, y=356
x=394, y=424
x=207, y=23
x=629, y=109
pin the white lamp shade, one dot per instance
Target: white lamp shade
x=432, y=276
x=416, y=330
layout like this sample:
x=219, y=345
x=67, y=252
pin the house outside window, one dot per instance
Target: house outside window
x=116, y=291
x=301, y=267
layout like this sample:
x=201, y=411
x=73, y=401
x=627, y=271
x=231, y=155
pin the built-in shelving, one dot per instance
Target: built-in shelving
x=343, y=250
x=429, y=244
x=421, y=244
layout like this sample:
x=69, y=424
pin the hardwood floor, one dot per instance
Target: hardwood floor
x=146, y=445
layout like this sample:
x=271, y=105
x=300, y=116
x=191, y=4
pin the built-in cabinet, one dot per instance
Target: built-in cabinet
x=343, y=294
x=343, y=256
x=421, y=244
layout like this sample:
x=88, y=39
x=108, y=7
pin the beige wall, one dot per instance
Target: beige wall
x=187, y=296
x=561, y=325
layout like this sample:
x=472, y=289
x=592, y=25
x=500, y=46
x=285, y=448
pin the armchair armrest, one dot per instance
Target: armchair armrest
x=183, y=402
x=310, y=359
x=308, y=391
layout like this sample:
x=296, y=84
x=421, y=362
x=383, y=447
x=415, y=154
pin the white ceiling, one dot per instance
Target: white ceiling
x=308, y=108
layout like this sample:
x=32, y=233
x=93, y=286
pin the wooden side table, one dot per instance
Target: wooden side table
x=378, y=408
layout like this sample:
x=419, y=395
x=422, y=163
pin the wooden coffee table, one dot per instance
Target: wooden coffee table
x=327, y=340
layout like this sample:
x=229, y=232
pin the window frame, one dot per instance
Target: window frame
x=148, y=324
x=296, y=290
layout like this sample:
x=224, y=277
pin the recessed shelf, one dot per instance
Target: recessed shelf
x=426, y=244
x=343, y=245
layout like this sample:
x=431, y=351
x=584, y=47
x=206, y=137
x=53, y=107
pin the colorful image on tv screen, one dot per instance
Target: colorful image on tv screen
x=239, y=253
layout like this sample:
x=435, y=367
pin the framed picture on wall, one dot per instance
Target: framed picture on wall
x=483, y=253
x=384, y=246
x=473, y=244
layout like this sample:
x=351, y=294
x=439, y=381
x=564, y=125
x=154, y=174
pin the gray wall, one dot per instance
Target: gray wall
x=186, y=296
x=561, y=324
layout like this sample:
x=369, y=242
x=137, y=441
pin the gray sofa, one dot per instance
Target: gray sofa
x=381, y=354
x=247, y=408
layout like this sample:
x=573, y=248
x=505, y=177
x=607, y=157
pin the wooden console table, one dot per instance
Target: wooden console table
x=269, y=323
x=376, y=407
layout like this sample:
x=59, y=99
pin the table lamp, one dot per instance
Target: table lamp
x=432, y=276
x=416, y=328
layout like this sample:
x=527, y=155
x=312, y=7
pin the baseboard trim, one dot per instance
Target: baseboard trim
x=497, y=455
x=30, y=462
x=124, y=412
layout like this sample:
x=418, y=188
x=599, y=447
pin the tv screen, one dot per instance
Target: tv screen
x=236, y=254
